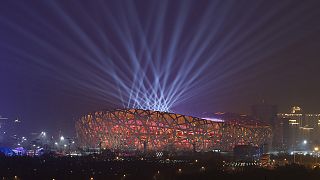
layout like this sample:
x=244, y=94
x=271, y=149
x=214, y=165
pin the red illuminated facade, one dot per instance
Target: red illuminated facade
x=136, y=129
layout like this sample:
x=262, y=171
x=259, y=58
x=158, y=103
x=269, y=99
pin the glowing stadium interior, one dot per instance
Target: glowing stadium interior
x=147, y=130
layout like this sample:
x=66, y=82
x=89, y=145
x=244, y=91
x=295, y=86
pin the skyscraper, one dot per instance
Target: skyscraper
x=298, y=127
x=268, y=114
x=265, y=113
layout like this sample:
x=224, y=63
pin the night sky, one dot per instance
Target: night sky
x=61, y=59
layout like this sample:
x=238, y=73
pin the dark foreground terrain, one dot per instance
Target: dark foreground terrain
x=96, y=168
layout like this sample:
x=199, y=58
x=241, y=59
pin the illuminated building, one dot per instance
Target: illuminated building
x=147, y=130
x=312, y=126
x=288, y=125
x=295, y=117
x=297, y=127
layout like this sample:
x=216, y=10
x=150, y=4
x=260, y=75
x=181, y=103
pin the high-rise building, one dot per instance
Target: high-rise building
x=268, y=114
x=289, y=128
x=311, y=124
x=265, y=113
x=299, y=130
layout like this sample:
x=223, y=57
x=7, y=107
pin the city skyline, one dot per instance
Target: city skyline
x=159, y=89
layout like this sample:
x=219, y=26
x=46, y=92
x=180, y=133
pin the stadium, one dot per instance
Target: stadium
x=147, y=130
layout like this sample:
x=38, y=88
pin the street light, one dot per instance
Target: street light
x=61, y=138
x=316, y=149
x=202, y=168
x=305, y=141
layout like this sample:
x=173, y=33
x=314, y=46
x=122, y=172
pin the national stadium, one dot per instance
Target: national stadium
x=148, y=130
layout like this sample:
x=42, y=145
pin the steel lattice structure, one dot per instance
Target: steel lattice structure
x=136, y=129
